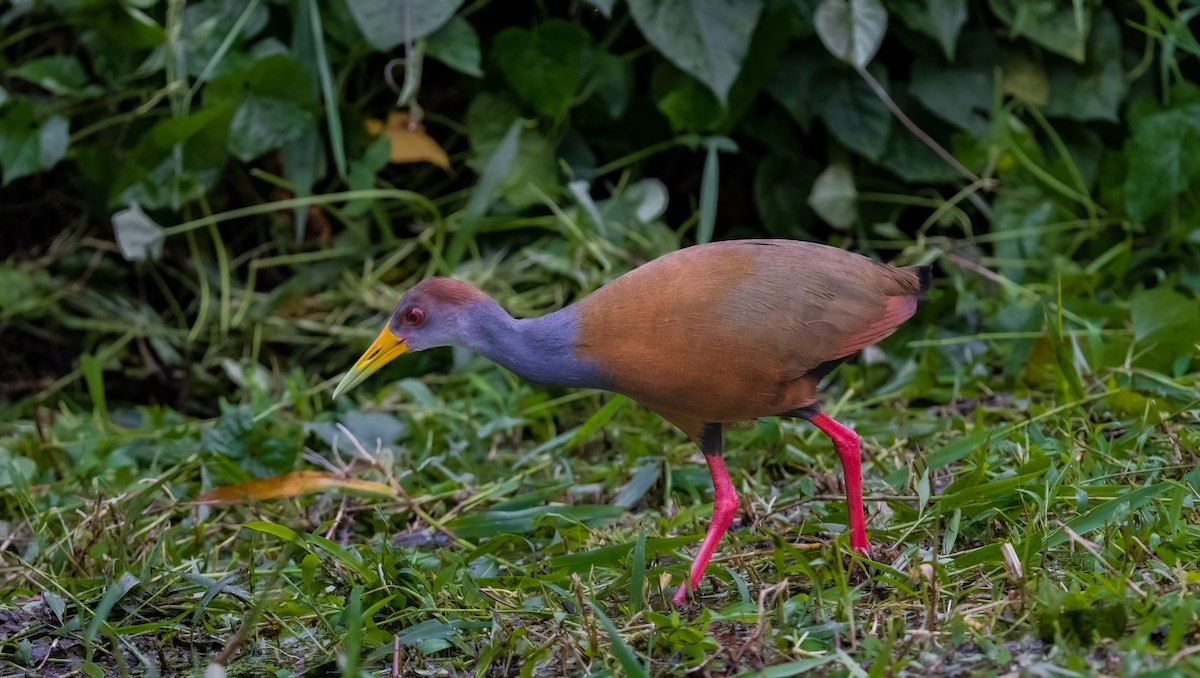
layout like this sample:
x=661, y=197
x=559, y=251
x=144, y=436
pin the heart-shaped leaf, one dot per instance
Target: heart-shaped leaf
x=851, y=30
x=705, y=39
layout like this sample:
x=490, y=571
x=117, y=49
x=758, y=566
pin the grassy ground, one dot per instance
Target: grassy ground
x=1031, y=497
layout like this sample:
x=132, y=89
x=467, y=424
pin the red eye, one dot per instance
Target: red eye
x=414, y=316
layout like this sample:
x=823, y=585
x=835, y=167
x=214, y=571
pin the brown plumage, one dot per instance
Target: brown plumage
x=707, y=336
x=740, y=329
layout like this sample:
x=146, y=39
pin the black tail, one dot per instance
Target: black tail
x=924, y=280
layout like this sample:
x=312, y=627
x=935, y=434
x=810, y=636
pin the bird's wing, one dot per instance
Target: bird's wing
x=732, y=328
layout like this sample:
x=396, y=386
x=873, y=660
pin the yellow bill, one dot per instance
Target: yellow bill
x=383, y=350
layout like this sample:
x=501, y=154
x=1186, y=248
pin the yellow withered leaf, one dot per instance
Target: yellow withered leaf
x=289, y=485
x=409, y=144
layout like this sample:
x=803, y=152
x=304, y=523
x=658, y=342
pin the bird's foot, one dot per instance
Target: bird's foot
x=863, y=550
x=680, y=597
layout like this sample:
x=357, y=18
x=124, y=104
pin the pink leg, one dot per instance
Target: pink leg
x=845, y=442
x=724, y=508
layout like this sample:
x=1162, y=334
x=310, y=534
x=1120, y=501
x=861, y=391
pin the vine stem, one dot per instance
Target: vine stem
x=880, y=92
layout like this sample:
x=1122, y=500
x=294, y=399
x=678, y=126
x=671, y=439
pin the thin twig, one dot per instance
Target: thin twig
x=986, y=184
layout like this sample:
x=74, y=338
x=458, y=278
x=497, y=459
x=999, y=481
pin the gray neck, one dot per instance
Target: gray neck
x=539, y=350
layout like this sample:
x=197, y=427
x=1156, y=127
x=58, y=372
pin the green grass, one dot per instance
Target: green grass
x=1031, y=499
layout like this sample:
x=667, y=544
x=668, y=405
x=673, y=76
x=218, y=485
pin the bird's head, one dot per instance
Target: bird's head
x=435, y=312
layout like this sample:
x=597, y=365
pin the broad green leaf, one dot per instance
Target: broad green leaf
x=781, y=183
x=796, y=83
x=1164, y=159
x=910, y=158
x=834, y=197
x=138, y=236
x=17, y=472
x=959, y=93
x=1060, y=27
x=852, y=30
x=547, y=65
x=707, y=39
x=637, y=486
x=56, y=603
x=530, y=171
x=456, y=44
x=1095, y=89
x=492, y=523
x=150, y=175
x=605, y=6
x=53, y=139
x=18, y=290
x=264, y=124
x=387, y=24
x=612, y=84
x=1025, y=77
x=428, y=636
x=852, y=112
x=60, y=75
x=643, y=202
x=303, y=160
x=275, y=99
x=1016, y=210
x=369, y=428
x=208, y=24
x=20, y=142
x=1160, y=313
x=692, y=107
x=939, y=19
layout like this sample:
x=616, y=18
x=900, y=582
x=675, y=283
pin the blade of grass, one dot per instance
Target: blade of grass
x=637, y=574
x=114, y=593
x=709, y=183
x=352, y=643
x=493, y=174
x=625, y=657
x=329, y=92
x=598, y=420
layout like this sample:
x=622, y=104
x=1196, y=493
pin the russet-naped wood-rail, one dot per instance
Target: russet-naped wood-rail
x=706, y=336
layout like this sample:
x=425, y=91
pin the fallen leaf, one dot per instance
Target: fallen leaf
x=289, y=485
x=409, y=144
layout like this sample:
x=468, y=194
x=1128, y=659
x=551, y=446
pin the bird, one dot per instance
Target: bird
x=707, y=336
